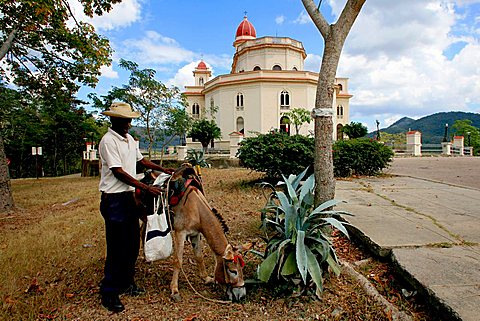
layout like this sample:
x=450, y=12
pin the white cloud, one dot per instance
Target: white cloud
x=302, y=18
x=280, y=20
x=122, y=15
x=154, y=48
x=108, y=72
x=313, y=63
x=394, y=57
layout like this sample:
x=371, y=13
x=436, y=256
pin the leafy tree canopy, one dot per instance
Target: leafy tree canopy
x=205, y=131
x=298, y=116
x=355, y=130
x=42, y=44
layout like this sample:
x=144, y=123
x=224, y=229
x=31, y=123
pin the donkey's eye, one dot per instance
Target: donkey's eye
x=234, y=272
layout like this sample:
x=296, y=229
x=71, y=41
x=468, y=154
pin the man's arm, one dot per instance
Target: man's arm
x=149, y=164
x=123, y=176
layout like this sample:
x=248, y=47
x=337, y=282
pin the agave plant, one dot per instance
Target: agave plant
x=196, y=157
x=297, y=235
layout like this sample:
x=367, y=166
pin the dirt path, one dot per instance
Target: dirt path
x=462, y=171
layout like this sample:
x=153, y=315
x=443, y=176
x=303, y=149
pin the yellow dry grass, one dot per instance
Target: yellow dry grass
x=52, y=255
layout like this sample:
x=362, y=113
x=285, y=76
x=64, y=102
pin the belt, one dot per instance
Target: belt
x=119, y=194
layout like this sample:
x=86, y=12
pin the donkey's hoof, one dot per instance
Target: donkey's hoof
x=209, y=280
x=176, y=297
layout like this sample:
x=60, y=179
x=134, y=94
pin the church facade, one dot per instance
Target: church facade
x=267, y=80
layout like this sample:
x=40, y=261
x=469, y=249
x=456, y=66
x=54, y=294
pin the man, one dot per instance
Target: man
x=119, y=156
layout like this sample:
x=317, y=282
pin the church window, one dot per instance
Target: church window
x=339, y=111
x=285, y=125
x=212, y=103
x=284, y=99
x=295, y=68
x=340, y=87
x=256, y=68
x=195, y=110
x=277, y=67
x=240, y=125
x=240, y=100
x=339, y=132
x=200, y=81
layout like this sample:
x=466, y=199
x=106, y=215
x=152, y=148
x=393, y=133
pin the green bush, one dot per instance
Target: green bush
x=276, y=153
x=362, y=156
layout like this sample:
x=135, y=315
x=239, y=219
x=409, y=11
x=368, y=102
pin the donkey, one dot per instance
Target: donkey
x=193, y=217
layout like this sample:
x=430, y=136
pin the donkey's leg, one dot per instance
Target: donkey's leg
x=197, y=245
x=177, y=263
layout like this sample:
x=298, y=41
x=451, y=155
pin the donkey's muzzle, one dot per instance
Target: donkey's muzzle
x=236, y=294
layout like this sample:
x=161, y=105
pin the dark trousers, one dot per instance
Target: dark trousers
x=122, y=231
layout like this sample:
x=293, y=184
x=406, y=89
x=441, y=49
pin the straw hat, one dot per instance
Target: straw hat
x=121, y=110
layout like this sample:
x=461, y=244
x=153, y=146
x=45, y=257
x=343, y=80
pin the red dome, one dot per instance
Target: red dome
x=245, y=28
x=201, y=65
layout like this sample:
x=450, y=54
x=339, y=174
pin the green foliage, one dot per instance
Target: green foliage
x=205, y=131
x=196, y=157
x=298, y=116
x=155, y=101
x=43, y=51
x=470, y=133
x=360, y=156
x=276, y=153
x=355, y=130
x=299, y=250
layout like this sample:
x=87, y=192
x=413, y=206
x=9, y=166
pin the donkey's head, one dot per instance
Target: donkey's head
x=229, y=271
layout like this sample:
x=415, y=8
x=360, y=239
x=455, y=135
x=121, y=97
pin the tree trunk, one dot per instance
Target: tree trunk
x=8, y=43
x=323, y=165
x=6, y=198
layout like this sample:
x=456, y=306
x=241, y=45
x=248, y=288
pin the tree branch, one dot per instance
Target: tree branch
x=8, y=43
x=348, y=16
x=317, y=17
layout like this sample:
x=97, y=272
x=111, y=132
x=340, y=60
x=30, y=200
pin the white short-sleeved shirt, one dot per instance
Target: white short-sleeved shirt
x=117, y=151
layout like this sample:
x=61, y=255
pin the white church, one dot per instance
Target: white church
x=266, y=81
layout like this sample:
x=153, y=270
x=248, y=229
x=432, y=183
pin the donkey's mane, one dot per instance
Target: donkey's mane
x=221, y=220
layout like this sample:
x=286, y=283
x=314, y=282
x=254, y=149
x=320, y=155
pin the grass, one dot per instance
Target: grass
x=52, y=255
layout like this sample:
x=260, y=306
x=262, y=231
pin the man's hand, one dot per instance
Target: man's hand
x=169, y=170
x=154, y=190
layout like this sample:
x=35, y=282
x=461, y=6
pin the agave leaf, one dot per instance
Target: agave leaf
x=307, y=187
x=290, y=266
x=321, y=246
x=326, y=205
x=284, y=201
x=296, y=181
x=314, y=269
x=333, y=265
x=301, y=255
x=333, y=212
x=337, y=224
x=265, y=269
x=291, y=191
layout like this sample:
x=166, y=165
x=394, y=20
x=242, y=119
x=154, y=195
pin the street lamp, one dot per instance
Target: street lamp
x=446, y=134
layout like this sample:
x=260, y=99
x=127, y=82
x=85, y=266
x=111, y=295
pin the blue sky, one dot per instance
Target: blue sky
x=404, y=58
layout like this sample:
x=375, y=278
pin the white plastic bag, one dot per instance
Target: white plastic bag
x=158, y=235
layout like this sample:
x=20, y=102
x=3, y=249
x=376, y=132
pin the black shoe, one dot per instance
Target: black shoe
x=134, y=290
x=112, y=303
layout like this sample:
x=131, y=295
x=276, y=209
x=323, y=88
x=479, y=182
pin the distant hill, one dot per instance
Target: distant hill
x=432, y=127
x=141, y=132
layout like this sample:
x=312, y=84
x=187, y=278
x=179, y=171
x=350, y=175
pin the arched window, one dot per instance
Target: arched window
x=285, y=124
x=295, y=68
x=339, y=132
x=339, y=111
x=277, y=67
x=239, y=100
x=195, y=110
x=212, y=103
x=240, y=125
x=284, y=99
x=256, y=68
x=200, y=81
x=340, y=87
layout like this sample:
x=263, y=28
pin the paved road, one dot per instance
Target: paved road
x=462, y=171
x=427, y=222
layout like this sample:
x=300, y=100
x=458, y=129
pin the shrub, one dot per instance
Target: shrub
x=276, y=153
x=360, y=156
x=299, y=250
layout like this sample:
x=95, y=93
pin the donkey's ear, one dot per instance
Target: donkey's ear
x=229, y=255
x=245, y=247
